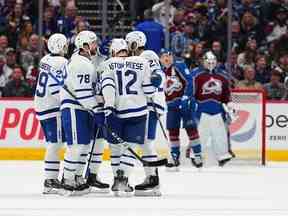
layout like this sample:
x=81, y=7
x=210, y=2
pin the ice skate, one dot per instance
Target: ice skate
x=121, y=187
x=197, y=161
x=173, y=164
x=96, y=185
x=150, y=187
x=52, y=186
x=225, y=159
x=82, y=187
x=68, y=187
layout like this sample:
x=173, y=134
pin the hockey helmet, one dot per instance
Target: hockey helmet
x=117, y=45
x=57, y=44
x=85, y=38
x=135, y=39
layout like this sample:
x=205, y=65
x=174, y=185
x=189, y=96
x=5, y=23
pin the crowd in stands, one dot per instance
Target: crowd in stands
x=258, y=60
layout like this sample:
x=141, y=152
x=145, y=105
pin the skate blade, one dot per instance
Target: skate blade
x=122, y=194
x=172, y=169
x=66, y=193
x=48, y=190
x=82, y=192
x=99, y=190
x=152, y=193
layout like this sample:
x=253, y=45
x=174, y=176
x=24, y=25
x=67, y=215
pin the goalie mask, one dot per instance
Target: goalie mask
x=209, y=61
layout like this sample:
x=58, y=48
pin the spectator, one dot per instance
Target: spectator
x=49, y=22
x=249, y=81
x=153, y=31
x=263, y=72
x=4, y=74
x=275, y=90
x=11, y=60
x=195, y=58
x=17, y=17
x=248, y=56
x=17, y=86
x=26, y=32
x=218, y=51
x=32, y=54
x=3, y=44
x=66, y=24
x=159, y=12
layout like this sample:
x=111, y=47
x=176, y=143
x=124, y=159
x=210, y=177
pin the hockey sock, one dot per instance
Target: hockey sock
x=52, y=161
x=97, y=154
x=194, y=141
x=82, y=152
x=70, y=162
x=175, y=152
x=116, y=152
x=149, y=154
x=127, y=161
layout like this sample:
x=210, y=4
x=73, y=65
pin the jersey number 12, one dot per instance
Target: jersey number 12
x=127, y=88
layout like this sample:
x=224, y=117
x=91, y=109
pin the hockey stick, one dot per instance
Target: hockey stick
x=144, y=162
x=157, y=163
x=87, y=166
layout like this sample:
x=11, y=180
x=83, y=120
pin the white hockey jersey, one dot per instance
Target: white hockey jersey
x=126, y=84
x=158, y=99
x=47, y=99
x=80, y=79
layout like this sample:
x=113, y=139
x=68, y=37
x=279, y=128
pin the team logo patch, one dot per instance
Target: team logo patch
x=212, y=86
x=173, y=84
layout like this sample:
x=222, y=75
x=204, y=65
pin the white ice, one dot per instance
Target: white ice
x=232, y=190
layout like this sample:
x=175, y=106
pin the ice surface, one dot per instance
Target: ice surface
x=232, y=190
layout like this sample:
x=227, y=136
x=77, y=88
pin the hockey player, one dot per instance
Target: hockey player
x=125, y=87
x=79, y=108
x=136, y=41
x=178, y=90
x=47, y=107
x=211, y=90
x=93, y=179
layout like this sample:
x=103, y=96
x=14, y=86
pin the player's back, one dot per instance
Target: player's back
x=47, y=100
x=131, y=76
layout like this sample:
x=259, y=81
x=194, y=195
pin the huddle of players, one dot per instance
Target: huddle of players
x=83, y=99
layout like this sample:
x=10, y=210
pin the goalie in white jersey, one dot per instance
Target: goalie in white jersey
x=156, y=105
x=47, y=106
x=126, y=84
x=79, y=108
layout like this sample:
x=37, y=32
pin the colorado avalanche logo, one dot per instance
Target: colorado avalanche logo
x=239, y=123
x=172, y=85
x=212, y=86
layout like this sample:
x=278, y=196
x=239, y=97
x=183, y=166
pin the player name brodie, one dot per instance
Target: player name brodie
x=131, y=65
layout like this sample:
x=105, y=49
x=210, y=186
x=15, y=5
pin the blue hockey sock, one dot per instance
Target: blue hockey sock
x=197, y=150
x=175, y=152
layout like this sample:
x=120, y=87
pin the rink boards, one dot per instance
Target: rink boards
x=21, y=137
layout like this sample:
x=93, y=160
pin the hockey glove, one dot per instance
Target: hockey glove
x=156, y=79
x=104, y=47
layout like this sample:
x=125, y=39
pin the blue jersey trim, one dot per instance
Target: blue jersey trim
x=107, y=78
x=108, y=85
x=85, y=97
x=155, y=105
x=55, y=92
x=47, y=111
x=54, y=84
x=69, y=101
x=81, y=90
x=131, y=110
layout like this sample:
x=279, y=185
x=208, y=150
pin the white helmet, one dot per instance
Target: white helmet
x=209, y=60
x=135, y=39
x=117, y=45
x=85, y=37
x=150, y=55
x=57, y=43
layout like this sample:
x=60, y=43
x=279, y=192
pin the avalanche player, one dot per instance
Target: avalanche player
x=125, y=86
x=178, y=89
x=136, y=41
x=211, y=89
x=47, y=106
x=77, y=99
